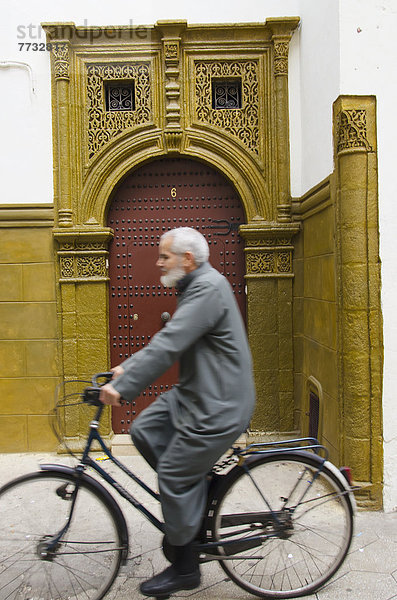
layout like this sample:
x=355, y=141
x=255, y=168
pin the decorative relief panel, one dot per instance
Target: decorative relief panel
x=281, y=58
x=284, y=262
x=265, y=261
x=260, y=262
x=104, y=125
x=352, y=130
x=243, y=123
x=61, y=56
x=90, y=266
x=269, y=256
x=171, y=50
x=269, y=242
x=82, y=262
x=67, y=267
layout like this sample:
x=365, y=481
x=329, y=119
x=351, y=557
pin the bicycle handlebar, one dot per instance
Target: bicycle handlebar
x=91, y=394
x=108, y=375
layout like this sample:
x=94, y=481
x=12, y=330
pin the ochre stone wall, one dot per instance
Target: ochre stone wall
x=315, y=316
x=28, y=335
x=84, y=350
x=269, y=302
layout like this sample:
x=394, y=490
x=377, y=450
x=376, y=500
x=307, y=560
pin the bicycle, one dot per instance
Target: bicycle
x=279, y=520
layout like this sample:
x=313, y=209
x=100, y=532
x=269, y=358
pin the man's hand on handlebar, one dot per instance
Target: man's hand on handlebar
x=108, y=395
x=117, y=371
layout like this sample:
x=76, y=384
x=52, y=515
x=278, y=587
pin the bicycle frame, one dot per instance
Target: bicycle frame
x=86, y=460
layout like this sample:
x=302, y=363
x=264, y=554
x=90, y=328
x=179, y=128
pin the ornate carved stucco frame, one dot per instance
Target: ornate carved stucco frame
x=172, y=65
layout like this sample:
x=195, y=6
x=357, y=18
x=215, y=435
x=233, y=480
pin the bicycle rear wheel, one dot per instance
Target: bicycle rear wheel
x=84, y=562
x=298, y=553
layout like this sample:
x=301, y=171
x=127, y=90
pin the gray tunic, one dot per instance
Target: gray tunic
x=186, y=429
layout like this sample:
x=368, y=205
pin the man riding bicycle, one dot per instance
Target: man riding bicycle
x=189, y=427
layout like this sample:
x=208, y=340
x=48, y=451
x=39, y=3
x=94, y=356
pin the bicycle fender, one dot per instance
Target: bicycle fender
x=331, y=467
x=101, y=490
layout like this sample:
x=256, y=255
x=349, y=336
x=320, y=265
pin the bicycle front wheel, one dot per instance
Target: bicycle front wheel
x=286, y=524
x=47, y=551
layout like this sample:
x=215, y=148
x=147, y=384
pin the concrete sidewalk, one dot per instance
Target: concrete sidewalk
x=369, y=572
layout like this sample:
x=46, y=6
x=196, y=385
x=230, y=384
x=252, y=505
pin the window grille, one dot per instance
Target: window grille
x=120, y=96
x=314, y=415
x=226, y=94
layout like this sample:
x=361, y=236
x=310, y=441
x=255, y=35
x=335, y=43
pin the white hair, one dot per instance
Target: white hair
x=186, y=239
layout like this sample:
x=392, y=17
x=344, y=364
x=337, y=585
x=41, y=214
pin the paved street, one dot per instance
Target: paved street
x=369, y=573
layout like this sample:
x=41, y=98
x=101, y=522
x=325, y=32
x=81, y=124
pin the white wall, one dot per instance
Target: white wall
x=312, y=160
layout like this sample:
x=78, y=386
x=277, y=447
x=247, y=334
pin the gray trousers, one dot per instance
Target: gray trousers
x=182, y=455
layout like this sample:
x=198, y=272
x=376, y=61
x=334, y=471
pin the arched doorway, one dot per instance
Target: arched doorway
x=162, y=195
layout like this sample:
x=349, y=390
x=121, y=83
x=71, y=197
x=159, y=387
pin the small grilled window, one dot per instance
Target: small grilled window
x=226, y=93
x=314, y=415
x=120, y=96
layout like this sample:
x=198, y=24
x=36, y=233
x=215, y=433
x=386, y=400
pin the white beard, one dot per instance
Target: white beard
x=172, y=277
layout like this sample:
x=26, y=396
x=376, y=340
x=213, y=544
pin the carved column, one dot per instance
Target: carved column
x=61, y=68
x=281, y=35
x=359, y=312
x=269, y=281
x=171, y=49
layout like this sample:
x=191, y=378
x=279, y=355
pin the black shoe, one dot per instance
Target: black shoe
x=170, y=581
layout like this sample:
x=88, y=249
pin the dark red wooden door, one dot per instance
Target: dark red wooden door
x=157, y=197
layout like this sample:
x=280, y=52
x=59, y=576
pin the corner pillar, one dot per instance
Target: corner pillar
x=359, y=309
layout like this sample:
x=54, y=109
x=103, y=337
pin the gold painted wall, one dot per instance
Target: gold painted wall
x=315, y=316
x=28, y=335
